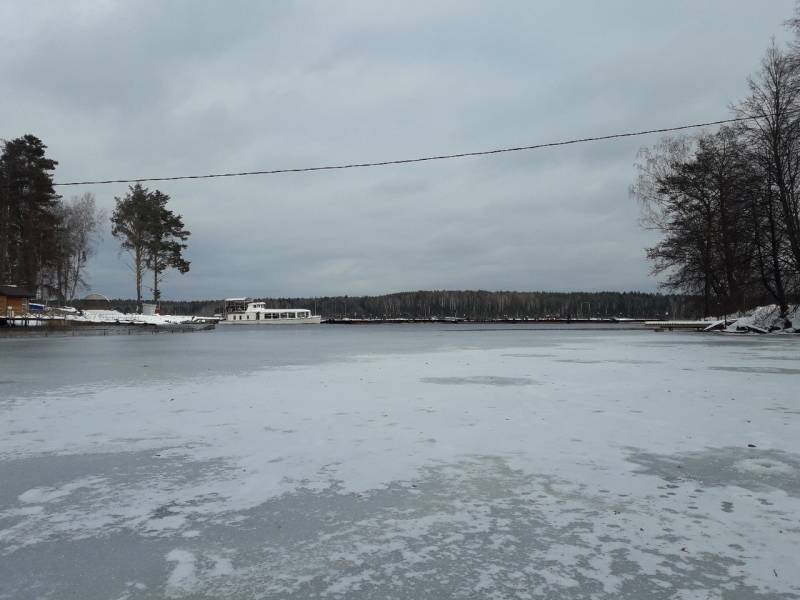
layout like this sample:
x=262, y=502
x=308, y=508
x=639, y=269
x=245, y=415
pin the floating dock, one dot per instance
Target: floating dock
x=687, y=325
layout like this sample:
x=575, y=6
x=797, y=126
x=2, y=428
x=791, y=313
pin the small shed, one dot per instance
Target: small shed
x=95, y=301
x=14, y=300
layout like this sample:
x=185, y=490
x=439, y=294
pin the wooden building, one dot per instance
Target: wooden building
x=14, y=300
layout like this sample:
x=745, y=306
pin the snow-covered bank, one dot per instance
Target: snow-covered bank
x=767, y=319
x=107, y=317
x=114, y=316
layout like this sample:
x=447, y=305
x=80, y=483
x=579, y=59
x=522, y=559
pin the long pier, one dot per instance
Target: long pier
x=456, y=320
x=687, y=325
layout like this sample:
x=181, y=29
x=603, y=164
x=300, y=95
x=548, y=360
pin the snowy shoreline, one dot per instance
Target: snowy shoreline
x=72, y=321
x=766, y=319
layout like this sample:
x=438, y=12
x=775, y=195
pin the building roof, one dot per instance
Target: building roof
x=96, y=296
x=14, y=291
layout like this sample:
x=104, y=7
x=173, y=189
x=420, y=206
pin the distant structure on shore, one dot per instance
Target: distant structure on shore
x=96, y=301
x=14, y=300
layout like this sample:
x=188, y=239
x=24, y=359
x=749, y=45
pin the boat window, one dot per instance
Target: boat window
x=258, y=316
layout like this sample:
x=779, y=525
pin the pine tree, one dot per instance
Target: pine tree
x=166, y=244
x=28, y=203
x=132, y=223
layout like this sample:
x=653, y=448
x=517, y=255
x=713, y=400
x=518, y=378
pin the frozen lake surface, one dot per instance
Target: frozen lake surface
x=400, y=462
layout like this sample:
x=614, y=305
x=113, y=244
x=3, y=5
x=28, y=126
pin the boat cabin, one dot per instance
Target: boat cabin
x=235, y=305
x=245, y=309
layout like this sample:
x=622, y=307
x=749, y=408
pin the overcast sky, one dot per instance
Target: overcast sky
x=144, y=89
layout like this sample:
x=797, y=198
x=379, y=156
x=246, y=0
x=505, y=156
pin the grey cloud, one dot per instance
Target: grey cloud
x=151, y=88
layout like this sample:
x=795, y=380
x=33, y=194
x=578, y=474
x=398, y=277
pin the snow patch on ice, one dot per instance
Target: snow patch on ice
x=43, y=495
x=222, y=566
x=183, y=578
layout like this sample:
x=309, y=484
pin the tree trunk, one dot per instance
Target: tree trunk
x=5, y=230
x=156, y=293
x=138, y=268
x=790, y=220
x=780, y=292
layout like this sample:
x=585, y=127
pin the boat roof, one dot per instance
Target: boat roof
x=238, y=299
x=282, y=309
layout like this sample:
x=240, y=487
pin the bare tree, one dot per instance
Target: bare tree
x=774, y=136
x=697, y=192
x=79, y=235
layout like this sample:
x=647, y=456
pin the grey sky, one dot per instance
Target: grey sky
x=170, y=88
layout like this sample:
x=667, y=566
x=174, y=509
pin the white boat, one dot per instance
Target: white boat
x=243, y=311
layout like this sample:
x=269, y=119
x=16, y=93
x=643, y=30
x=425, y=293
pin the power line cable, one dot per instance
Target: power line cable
x=404, y=161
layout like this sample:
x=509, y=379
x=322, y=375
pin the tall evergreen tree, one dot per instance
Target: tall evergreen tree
x=167, y=241
x=27, y=211
x=132, y=223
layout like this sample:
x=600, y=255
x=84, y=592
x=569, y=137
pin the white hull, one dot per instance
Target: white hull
x=314, y=320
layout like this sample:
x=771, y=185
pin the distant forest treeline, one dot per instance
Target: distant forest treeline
x=474, y=305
